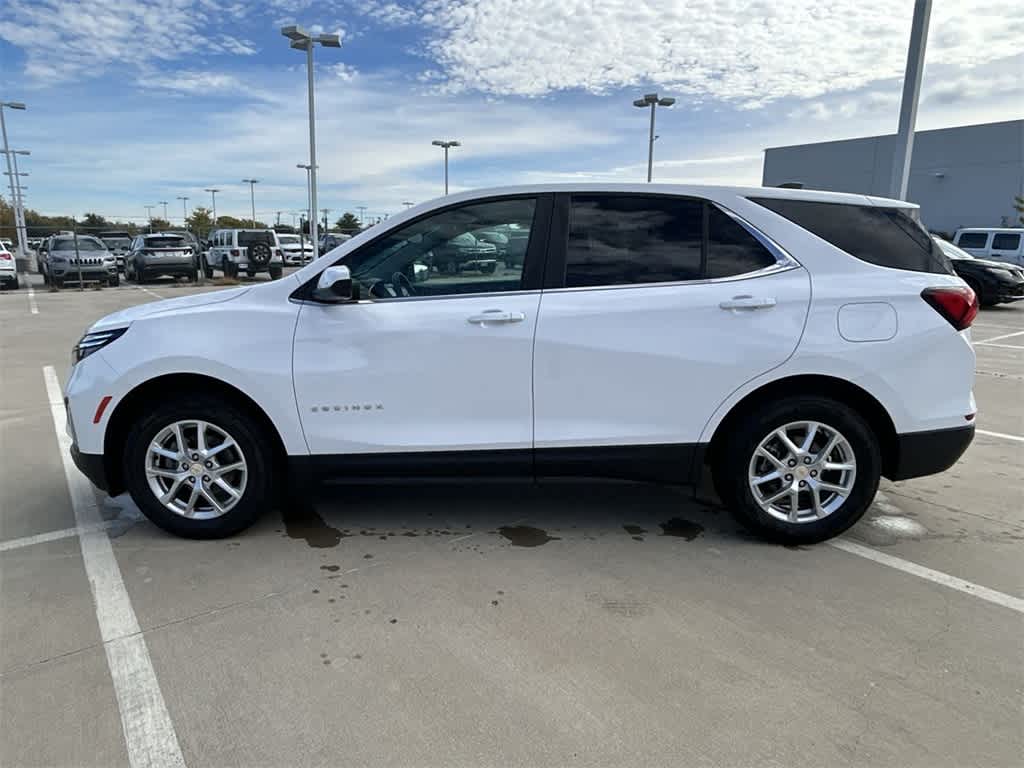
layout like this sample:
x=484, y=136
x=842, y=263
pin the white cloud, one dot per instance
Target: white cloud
x=746, y=53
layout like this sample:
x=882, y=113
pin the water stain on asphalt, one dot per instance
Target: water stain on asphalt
x=525, y=535
x=684, y=529
x=331, y=568
x=303, y=522
x=635, y=531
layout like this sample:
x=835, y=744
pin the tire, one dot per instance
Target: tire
x=737, y=460
x=276, y=272
x=222, y=416
x=57, y=282
x=227, y=268
x=207, y=269
x=193, y=276
x=973, y=285
x=114, y=281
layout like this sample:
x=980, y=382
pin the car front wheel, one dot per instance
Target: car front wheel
x=801, y=470
x=199, y=467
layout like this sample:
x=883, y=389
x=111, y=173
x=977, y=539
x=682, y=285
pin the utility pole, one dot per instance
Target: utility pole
x=408, y=203
x=362, y=214
x=14, y=192
x=252, y=197
x=184, y=211
x=904, y=148
x=445, y=145
x=164, y=204
x=149, y=216
x=325, y=211
x=278, y=224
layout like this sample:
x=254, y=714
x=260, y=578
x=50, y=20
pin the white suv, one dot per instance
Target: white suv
x=800, y=344
x=234, y=251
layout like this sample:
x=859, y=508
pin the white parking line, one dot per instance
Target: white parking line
x=1000, y=338
x=42, y=538
x=1001, y=346
x=32, y=306
x=151, y=293
x=938, y=577
x=148, y=732
x=1015, y=438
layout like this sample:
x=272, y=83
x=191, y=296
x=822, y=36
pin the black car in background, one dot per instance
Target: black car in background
x=994, y=282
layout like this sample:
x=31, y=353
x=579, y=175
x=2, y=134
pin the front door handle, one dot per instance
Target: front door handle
x=496, y=316
x=748, y=302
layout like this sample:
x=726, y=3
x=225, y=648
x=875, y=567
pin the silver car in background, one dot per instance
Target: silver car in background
x=84, y=259
x=296, y=249
x=166, y=253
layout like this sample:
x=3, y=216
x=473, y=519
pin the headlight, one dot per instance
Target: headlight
x=58, y=259
x=94, y=341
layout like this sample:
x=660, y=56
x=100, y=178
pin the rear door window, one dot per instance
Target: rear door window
x=973, y=239
x=1005, y=241
x=631, y=239
x=888, y=237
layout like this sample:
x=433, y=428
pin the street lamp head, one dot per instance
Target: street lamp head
x=295, y=32
x=12, y=104
x=328, y=41
x=650, y=98
x=668, y=101
x=250, y=181
x=454, y=144
x=208, y=189
x=21, y=152
x=437, y=143
x=639, y=103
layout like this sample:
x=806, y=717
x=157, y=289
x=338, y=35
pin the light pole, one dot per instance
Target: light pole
x=362, y=214
x=651, y=100
x=908, y=105
x=149, y=216
x=21, y=231
x=164, y=204
x=325, y=211
x=445, y=145
x=252, y=197
x=18, y=223
x=408, y=203
x=184, y=211
x=303, y=41
x=213, y=201
x=309, y=194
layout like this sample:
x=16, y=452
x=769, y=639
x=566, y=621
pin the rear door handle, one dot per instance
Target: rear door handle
x=496, y=316
x=748, y=302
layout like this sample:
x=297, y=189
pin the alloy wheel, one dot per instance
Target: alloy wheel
x=802, y=472
x=196, y=469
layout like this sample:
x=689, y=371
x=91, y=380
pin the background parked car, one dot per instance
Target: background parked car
x=244, y=250
x=118, y=243
x=465, y=252
x=165, y=253
x=296, y=249
x=994, y=282
x=8, y=269
x=193, y=241
x=999, y=243
x=87, y=260
x=331, y=240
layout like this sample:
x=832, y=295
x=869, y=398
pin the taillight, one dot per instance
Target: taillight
x=234, y=251
x=959, y=305
x=5, y=256
x=277, y=251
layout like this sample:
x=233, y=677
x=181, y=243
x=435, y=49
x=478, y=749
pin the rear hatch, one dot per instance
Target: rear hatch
x=167, y=248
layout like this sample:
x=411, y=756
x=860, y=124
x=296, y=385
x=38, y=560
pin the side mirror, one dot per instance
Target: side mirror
x=334, y=286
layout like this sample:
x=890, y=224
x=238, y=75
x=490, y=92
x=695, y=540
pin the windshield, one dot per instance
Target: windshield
x=84, y=244
x=117, y=242
x=951, y=250
x=288, y=239
x=246, y=239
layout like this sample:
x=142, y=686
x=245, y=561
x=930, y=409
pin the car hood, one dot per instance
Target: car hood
x=968, y=263
x=127, y=316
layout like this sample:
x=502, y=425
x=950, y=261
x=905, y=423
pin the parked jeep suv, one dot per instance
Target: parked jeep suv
x=234, y=251
x=798, y=344
x=85, y=258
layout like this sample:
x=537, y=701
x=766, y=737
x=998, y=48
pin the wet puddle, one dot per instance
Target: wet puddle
x=684, y=529
x=303, y=522
x=525, y=535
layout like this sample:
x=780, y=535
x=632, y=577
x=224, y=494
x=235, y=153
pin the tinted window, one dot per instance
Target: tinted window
x=888, y=237
x=164, y=241
x=972, y=239
x=628, y=239
x=84, y=244
x=245, y=239
x=438, y=255
x=1004, y=241
x=732, y=250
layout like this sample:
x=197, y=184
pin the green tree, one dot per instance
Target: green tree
x=93, y=222
x=347, y=223
x=201, y=220
x=158, y=224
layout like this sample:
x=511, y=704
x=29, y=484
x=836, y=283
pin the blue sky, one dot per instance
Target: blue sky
x=136, y=101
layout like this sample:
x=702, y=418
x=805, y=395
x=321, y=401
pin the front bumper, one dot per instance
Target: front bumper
x=928, y=453
x=70, y=272
x=92, y=465
x=1007, y=292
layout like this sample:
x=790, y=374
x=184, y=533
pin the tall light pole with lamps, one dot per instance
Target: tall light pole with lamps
x=149, y=216
x=19, y=200
x=252, y=197
x=445, y=145
x=184, y=211
x=309, y=193
x=164, y=204
x=303, y=41
x=213, y=201
x=19, y=224
x=651, y=100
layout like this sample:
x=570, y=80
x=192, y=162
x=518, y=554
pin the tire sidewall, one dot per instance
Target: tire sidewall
x=251, y=441
x=733, y=483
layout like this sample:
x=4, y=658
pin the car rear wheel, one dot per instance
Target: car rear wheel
x=276, y=272
x=976, y=287
x=207, y=269
x=114, y=281
x=199, y=467
x=801, y=470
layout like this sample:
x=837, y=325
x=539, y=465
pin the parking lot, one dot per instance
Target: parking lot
x=446, y=624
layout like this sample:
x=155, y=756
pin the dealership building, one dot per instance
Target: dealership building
x=961, y=177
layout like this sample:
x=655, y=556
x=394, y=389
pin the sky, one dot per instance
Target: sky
x=133, y=102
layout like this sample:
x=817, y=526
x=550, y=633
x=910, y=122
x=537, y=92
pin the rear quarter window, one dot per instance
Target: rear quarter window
x=1005, y=241
x=972, y=239
x=888, y=237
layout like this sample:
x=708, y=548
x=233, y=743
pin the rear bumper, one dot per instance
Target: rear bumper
x=91, y=465
x=8, y=278
x=928, y=453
